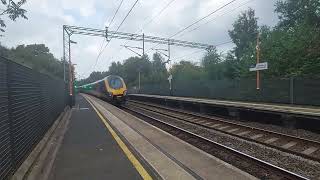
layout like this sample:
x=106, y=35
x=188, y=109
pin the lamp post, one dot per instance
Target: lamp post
x=70, y=68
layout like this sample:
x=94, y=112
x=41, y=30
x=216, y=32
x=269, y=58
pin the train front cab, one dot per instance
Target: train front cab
x=116, y=88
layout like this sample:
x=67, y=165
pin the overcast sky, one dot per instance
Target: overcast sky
x=46, y=18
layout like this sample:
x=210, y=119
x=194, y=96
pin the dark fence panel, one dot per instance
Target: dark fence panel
x=5, y=144
x=286, y=91
x=306, y=90
x=29, y=104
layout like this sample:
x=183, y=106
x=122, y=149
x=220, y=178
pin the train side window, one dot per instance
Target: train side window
x=102, y=87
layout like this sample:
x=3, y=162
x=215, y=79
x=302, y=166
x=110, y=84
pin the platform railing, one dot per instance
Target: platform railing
x=294, y=90
x=30, y=102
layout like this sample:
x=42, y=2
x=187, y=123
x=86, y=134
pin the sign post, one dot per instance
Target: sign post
x=170, y=81
x=258, y=60
x=257, y=68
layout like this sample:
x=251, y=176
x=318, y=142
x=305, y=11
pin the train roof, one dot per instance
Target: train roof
x=99, y=80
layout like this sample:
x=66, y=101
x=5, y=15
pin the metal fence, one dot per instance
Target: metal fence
x=299, y=91
x=29, y=104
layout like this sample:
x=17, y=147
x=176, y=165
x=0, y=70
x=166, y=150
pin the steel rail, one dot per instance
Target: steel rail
x=240, y=126
x=283, y=172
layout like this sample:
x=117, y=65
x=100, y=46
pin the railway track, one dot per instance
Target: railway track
x=306, y=148
x=250, y=164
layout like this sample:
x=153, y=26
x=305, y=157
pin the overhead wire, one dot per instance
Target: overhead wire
x=159, y=13
x=100, y=53
x=151, y=20
x=195, y=52
x=209, y=21
x=198, y=51
x=102, y=43
x=115, y=14
x=180, y=31
x=215, y=18
x=208, y=15
x=199, y=20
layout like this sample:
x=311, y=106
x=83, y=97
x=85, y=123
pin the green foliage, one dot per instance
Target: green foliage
x=35, y=56
x=244, y=32
x=292, y=53
x=11, y=9
x=186, y=70
x=133, y=65
x=295, y=12
x=116, y=68
x=213, y=65
x=159, y=72
x=231, y=70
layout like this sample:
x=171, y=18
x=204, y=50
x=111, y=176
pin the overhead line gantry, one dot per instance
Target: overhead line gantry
x=68, y=31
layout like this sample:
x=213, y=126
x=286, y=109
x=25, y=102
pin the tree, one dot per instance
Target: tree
x=133, y=65
x=231, y=67
x=35, y=56
x=292, y=48
x=159, y=72
x=244, y=32
x=213, y=65
x=295, y=12
x=185, y=71
x=13, y=10
x=116, y=68
x=292, y=53
x=158, y=63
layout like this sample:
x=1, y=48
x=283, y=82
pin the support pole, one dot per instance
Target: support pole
x=258, y=61
x=143, y=44
x=139, y=81
x=70, y=75
x=64, y=54
x=106, y=33
x=168, y=50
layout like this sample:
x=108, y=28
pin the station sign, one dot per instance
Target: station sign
x=260, y=66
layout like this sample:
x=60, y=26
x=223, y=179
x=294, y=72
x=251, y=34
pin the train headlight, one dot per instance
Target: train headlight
x=110, y=94
x=124, y=93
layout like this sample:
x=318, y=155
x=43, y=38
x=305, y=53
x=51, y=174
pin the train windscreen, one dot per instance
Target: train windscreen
x=115, y=82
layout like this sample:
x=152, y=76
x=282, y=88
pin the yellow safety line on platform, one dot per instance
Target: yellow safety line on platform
x=144, y=174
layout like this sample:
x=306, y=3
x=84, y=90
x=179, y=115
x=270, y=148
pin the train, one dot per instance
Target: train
x=111, y=88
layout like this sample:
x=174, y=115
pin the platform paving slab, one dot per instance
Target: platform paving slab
x=192, y=159
x=88, y=150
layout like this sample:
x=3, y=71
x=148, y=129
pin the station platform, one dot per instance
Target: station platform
x=309, y=111
x=104, y=142
x=89, y=151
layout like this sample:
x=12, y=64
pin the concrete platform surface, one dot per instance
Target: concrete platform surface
x=280, y=108
x=169, y=156
x=89, y=151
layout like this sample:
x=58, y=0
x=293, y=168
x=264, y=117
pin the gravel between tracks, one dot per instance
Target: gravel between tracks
x=307, y=168
x=276, y=128
x=294, y=132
